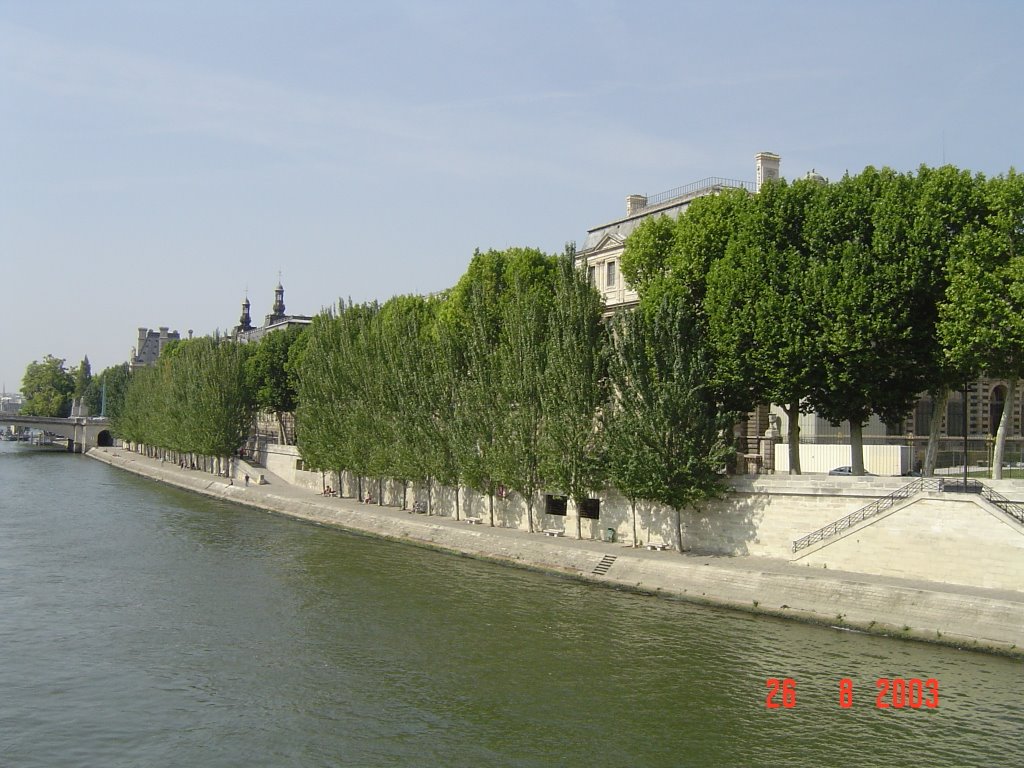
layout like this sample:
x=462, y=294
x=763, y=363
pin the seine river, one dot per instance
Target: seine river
x=145, y=626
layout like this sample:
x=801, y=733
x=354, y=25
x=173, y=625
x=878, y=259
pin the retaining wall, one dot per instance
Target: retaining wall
x=961, y=615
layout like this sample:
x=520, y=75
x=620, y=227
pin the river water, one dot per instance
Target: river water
x=145, y=626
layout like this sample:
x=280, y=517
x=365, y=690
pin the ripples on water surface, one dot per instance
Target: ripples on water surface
x=141, y=625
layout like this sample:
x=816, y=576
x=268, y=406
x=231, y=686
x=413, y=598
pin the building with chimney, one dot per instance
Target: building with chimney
x=601, y=254
x=151, y=344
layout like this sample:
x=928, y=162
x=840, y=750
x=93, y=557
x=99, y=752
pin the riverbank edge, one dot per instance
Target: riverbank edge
x=967, y=618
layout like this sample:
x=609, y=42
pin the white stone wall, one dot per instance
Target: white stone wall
x=282, y=460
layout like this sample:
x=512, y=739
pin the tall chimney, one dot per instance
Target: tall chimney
x=766, y=168
x=635, y=204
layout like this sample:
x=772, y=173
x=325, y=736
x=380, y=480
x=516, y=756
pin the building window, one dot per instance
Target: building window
x=955, y=416
x=592, y=275
x=923, y=416
x=610, y=275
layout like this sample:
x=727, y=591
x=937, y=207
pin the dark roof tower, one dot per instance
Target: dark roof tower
x=277, y=314
x=279, y=300
x=245, y=321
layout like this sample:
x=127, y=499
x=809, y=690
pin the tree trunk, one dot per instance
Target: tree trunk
x=529, y=512
x=281, y=433
x=792, y=412
x=679, y=530
x=940, y=401
x=632, y=509
x=380, y=491
x=1004, y=429
x=490, y=507
x=457, y=502
x=857, y=448
x=405, y=487
x=579, y=520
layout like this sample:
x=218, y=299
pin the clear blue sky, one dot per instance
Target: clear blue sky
x=162, y=158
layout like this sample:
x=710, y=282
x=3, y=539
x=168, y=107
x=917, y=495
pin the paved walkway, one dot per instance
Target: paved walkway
x=949, y=613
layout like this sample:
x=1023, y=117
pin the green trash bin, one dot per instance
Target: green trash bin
x=609, y=534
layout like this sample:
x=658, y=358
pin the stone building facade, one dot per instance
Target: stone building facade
x=601, y=255
x=151, y=344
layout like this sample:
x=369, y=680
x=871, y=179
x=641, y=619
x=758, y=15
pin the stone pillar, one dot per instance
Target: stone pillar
x=772, y=436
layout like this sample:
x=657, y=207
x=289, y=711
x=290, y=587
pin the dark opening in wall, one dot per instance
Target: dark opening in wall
x=555, y=505
x=591, y=509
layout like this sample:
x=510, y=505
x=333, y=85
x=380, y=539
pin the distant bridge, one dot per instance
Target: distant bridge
x=83, y=432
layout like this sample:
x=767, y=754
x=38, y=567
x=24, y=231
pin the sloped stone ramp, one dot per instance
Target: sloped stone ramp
x=931, y=534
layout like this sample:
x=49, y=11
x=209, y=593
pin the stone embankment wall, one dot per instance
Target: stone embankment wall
x=929, y=610
x=937, y=537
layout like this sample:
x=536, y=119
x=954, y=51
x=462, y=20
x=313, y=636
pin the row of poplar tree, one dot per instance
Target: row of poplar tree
x=849, y=298
x=510, y=380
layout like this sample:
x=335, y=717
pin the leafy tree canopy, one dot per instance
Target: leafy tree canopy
x=47, y=388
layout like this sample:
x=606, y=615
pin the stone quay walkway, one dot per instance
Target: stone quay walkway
x=967, y=617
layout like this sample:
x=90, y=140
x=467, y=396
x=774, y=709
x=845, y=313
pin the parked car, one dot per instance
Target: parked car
x=844, y=471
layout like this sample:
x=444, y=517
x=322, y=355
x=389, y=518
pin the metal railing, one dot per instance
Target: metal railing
x=876, y=507
x=940, y=484
x=711, y=182
x=1012, y=508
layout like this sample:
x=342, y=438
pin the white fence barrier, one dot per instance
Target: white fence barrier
x=878, y=459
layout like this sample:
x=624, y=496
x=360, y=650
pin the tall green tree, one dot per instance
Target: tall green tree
x=106, y=392
x=665, y=258
x=861, y=288
x=947, y=203
x=271, y=377
x=212, y=396
x=481, y=407
x=573, y=388
x=663, y=410
x=403, y=333
x=474, y=315
x=982, y=320
x=83, y=378
x=760, y=323
x=521, y=358
x=336, y=411
x=47, y=388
